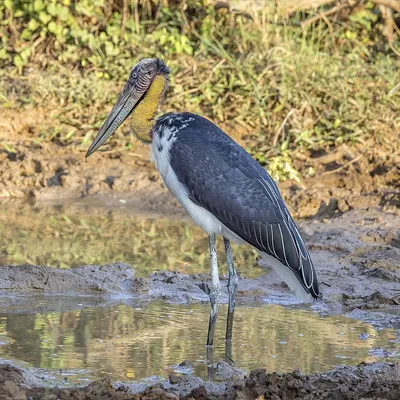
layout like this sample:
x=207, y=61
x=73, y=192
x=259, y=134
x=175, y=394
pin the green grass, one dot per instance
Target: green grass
x=281, y=88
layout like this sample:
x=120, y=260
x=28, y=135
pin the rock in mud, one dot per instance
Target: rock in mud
x=374, y=301
x=226, y=372
x=116, y=278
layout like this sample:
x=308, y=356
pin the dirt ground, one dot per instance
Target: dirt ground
x=363, y=175
x=369, y=381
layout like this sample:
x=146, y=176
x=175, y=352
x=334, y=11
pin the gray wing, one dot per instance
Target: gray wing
x=224, y=179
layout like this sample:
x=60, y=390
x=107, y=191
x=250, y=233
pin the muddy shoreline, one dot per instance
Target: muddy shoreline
x=353, y=265
x=366, y=381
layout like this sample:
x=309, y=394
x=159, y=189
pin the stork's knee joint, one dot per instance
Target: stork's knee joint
x=215, y=292
x=233, y=282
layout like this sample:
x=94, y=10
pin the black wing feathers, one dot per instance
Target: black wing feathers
x=224, y=179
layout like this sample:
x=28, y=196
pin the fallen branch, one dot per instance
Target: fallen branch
x=323, y=15
x=278, y=132
x=354, y=160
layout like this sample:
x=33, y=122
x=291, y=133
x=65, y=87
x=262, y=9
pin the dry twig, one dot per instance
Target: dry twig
x=323, y=15
x=354, y=160
x=279, y=131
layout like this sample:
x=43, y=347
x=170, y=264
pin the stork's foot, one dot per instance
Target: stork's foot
x=211, y=367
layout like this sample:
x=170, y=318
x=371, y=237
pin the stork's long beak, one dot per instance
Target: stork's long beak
x=123, y=107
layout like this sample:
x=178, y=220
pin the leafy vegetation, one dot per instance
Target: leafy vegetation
x=279, y=87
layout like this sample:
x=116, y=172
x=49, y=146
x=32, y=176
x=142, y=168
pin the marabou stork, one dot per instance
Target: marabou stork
x=221, y=186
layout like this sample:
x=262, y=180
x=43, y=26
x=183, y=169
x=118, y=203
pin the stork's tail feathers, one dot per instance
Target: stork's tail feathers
x=308, y=276
x=295, y=268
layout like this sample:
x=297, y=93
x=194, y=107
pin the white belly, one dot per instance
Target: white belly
x=200, y=216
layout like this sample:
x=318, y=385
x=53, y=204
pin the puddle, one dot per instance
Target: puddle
x=136, y=341
x=75, y=339
x=68, y=236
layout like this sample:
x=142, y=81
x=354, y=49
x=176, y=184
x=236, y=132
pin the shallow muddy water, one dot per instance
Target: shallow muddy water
x=75, y=338
x=67, y=236
x=136, y=341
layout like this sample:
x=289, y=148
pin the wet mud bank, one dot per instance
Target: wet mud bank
x=368, y=381
x=114, y=278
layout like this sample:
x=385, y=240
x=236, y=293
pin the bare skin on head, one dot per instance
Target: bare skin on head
x=144, y=113
x=140, y=98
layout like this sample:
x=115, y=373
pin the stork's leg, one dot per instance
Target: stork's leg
x=232, y=288
x=215, y=290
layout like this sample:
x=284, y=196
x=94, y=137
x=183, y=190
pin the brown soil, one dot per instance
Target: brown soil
x=349, y=177
x=370, y=381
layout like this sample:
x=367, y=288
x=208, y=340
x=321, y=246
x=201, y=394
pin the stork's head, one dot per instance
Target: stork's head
x=140, y=98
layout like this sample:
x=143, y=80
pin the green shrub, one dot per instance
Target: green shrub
x=316, y=87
